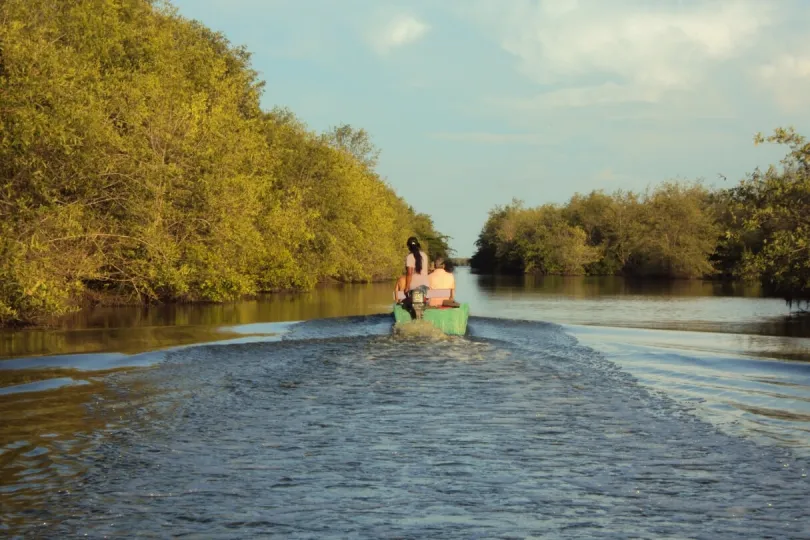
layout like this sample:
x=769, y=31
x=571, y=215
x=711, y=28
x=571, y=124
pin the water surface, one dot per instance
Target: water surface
x=574, y=408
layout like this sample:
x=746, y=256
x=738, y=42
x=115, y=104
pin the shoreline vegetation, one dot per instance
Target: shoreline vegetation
x=137, y=166
x=756, y=231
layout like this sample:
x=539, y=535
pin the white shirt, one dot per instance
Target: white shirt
x=417, y=280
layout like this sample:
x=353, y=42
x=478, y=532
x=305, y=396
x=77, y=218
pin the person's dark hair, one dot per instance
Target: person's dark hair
x=449, y=266
x=414, y=247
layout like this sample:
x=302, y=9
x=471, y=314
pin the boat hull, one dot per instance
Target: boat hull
x=448, y=320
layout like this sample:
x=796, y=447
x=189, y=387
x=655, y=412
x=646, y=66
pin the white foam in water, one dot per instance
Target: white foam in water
x=515, y=431
x=342, y=429
x=275, y=329
x=40, y=386
x=254, y=333
x=420, y=329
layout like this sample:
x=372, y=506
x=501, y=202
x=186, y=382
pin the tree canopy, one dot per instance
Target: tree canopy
x=136, y=164
x=758, y=230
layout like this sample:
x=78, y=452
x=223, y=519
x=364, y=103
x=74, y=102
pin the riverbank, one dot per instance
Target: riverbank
x=186, y=190
x=93, y=300
x=688, y=305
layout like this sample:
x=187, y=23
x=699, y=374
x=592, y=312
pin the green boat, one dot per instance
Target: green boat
x=450, y=320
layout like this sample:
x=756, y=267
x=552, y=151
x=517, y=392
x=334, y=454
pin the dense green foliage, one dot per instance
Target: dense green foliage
x=758, y=230
x=768, y=222
x=136, y=163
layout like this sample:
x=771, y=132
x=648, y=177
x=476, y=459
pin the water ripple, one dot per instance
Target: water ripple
x=513, y=431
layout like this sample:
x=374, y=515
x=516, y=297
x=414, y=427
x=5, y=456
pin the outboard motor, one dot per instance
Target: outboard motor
x=418, y=301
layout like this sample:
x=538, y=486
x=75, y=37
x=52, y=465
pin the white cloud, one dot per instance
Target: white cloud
x=608, y=179
x=485, y=137
x=595, y=52
x=397, y=31
x=583, y=96
x=787, y=78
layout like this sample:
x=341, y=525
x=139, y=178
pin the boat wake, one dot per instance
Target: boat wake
x=344, y=427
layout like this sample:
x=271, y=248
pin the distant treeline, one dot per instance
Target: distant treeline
x=136, y=165
x=757, y=230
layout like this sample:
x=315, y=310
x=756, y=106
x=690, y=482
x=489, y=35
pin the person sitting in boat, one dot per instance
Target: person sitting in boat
x=416, y=269
x=399, y=289
x=442, y=283
x=416, y=266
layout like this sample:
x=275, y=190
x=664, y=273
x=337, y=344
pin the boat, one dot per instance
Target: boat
x=450, y=320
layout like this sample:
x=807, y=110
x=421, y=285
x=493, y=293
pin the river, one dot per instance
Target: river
x=574, y=408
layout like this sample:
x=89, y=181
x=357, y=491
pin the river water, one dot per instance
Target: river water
x=574, y=408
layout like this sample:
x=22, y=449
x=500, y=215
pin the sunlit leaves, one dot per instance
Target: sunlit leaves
x=771, y=219
x=669, y=232
x=758, y=230
x=135, y=161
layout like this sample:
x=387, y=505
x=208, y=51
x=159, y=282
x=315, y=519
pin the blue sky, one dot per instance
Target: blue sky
x=474, y=102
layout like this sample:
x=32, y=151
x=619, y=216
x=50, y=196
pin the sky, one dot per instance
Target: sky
x=476, y=102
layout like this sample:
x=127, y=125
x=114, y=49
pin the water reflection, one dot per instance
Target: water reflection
x=213, y=413
x=687, y=305
x=606, y=286
x=515, y=431
x=134, y=329
x=719, y=377
x=714, y=343
x=325, y=301
x=45, y=442
x=124, y=339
